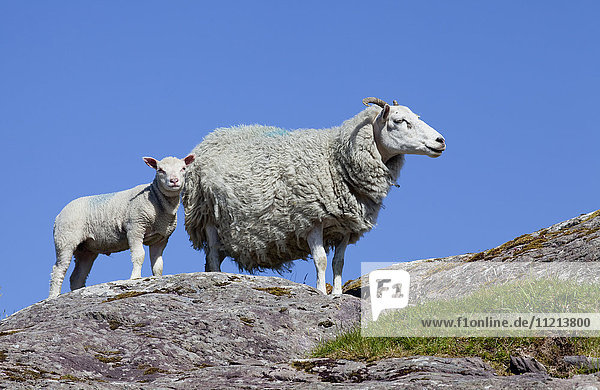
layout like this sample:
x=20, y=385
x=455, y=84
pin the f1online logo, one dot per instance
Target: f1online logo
x=389, y=290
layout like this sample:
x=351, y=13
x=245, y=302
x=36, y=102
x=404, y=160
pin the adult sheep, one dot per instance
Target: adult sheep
x=266, y=196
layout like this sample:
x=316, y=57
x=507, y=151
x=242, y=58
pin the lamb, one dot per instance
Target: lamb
x=266, y=196
x=109, y=223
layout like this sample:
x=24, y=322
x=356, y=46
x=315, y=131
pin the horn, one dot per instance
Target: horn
x=395, y=103
x=374, y=100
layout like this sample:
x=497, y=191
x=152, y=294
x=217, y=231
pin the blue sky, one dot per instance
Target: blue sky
x=88, y=88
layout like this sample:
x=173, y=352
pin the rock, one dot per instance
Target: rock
x=173, y=326
x=213, y=330
x=217, y=330
x=526, y=365
x=569, y=249
x=587, y=363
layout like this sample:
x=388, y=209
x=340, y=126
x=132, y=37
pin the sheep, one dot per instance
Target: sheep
x=109, y=223
x=265, y=196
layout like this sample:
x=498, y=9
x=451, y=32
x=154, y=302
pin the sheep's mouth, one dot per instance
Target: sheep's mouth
x=437, y=151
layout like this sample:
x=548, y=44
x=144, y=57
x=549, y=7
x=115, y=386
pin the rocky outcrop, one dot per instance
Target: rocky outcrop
x=217, y=330
x=174, y=327
x=569, y=249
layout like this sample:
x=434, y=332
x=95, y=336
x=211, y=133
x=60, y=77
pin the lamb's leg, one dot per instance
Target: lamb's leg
x=315, y=243
x=59, y=270
x=83, y=265
x=136, y=246
x=156, y=259
x=338, y=264
x=214, y=255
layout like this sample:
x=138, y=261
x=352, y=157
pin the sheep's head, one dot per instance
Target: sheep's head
x=170, y=173
x=397, y=130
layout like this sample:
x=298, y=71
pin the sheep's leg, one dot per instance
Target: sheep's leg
x=315, y=243
x=214, y=255
x=59, y=270
x=156, y=259
x=136, y=246
x=338, y=264
x=83, y=265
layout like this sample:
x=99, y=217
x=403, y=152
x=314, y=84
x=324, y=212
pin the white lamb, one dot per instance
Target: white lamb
x=109, y=223
x=266, y=197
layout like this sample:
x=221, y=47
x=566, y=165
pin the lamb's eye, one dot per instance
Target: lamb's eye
x=161, y=170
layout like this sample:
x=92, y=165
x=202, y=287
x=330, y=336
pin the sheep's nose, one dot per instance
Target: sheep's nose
x=174, y=180
x=441, y=140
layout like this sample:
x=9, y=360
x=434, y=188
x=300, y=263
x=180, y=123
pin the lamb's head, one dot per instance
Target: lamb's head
x=397, y=130
x=170, y=173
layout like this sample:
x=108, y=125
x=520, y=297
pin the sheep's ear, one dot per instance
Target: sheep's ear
x=151, y=162
x=384, y=114
x=189, y=159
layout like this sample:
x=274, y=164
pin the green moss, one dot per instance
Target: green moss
x=9, y=332
x=526, y=242
x=304, y=365
x=477, y=257
x=278, y=291
x=352, y=287
x=108, y=352
x=352, y=284
x=595, y=214
x=24, y=375
x=107, y=359
x=326, y=324
x=125, y=295
x=521, y=240
x=247, y=321
x=114, y=324
x=535, y=243
x=108, y=356
x=149, y=370
x=587, y=232
x=70, y=378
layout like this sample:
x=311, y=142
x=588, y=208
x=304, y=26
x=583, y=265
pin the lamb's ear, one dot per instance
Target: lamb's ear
x=151, y=162
x=384, y=114
x=189, y=159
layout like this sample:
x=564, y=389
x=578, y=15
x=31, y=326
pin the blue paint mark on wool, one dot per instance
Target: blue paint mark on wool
x=100, y=199
x=276, y=133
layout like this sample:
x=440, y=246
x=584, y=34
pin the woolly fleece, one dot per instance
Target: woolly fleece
x=265, y=188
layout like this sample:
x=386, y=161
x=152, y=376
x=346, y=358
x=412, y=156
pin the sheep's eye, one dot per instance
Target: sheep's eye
x=160, y=170
x=400, y=121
